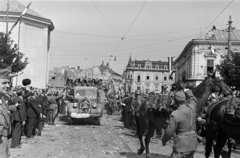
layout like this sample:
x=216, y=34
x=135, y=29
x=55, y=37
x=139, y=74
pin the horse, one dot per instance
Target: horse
x=201, y=92
x=222, y=125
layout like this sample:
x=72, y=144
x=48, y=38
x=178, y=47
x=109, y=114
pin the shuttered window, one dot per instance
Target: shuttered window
x=210, y=63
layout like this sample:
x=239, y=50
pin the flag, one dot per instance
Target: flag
x=23, y=13
x=212, y=49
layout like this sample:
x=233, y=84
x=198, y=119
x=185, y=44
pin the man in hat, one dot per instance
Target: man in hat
x=18, y=119
x=5, y=125
x=39, y=99
x=32, y=113
x=138, y=100
x=182, y=126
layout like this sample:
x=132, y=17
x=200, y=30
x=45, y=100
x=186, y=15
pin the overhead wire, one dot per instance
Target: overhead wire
x=130, y=27
x=171, y=40
x=106, y=19
x=217, y=16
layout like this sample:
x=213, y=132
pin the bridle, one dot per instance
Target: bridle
x=217, y=82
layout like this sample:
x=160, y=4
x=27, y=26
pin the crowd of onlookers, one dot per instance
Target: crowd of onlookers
x=34, y=108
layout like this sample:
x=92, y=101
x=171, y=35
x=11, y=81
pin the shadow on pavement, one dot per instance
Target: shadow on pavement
x=153, y=155
x=88, y=121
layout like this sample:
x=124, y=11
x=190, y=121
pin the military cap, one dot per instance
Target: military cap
x=180, y=96
x=5, y=73
x=189, y=93
x=26, y=82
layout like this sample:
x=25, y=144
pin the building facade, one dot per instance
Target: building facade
x=201, y=56
x=58, y=76
x=32, y=35
x=147, y=76
x=103, y=72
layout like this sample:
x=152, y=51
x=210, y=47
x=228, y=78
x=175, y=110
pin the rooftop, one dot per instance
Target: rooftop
x=16, y=8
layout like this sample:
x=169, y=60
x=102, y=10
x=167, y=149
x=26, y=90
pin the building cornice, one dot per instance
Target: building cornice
x=29, y=17
x=194, y=42
x=147, y=70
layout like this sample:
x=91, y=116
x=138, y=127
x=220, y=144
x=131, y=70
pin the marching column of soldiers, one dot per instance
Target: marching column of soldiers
x=23, y=111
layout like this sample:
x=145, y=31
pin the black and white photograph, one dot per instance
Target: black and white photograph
x=119, y=79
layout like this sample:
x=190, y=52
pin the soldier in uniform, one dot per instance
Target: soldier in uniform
x=182, y=126
x=5, y=125
x=53, y=107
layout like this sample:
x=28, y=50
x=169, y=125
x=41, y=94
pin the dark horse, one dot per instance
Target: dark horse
x=222, y=125
x=151, y=119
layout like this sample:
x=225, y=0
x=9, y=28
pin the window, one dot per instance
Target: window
x=156, y=77
x=138, y=88
x=170, y=78
x=157, y=66
x=148, y=77
x=210, y=65
x=165, y=78
x=156, y=87
x=139, y=78
x=139, y=65
x=148, y=67
x=165, y=66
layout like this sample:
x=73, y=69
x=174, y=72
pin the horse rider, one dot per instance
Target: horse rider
x=182, y=126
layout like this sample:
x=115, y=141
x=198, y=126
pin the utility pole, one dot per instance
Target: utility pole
x=7, y=18
x=229, y=34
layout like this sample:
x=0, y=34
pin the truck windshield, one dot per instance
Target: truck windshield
x=90, y=94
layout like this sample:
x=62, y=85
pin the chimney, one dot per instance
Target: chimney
x=78, y=67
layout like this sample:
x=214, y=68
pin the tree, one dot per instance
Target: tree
x=9, y=53
x=229, y=69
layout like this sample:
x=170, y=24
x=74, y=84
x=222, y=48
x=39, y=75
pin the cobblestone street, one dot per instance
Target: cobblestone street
x=87, y=139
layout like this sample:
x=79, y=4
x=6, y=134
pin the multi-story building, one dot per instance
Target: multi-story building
x=103, y=72
x=58, y=76
x=32, y=35
x=201, y=56
x=147, y=76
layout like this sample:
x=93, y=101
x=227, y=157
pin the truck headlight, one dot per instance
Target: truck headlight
x=94, y=105
x=75, y=105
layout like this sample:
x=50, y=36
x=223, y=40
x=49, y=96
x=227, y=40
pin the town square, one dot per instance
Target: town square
x=119, y=79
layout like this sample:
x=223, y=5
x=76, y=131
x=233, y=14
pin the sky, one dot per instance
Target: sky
x=89, y=32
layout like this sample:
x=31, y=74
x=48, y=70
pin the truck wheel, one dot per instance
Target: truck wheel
x=70, y=121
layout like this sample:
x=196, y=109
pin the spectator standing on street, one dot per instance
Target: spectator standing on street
x=41, y=106
x=32, y=113
x=137, y=102
x=18, y=119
